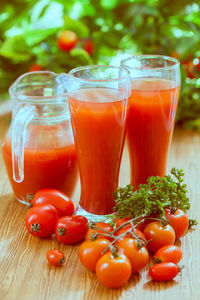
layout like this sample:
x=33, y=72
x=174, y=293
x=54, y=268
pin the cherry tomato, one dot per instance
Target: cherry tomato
x=62, y=202
x=119, y=221
x=35, y=67
x=40, y=220
x=164, y=271
x=138, y=257
x=158, y=235
x=92, y=233
x=128, y=235
x=178, y=220
x=88, y=46
x=170, y=253
x=91, y=251
x=71, y=229
x=67, y=40
x=55, y=257
x=112, y=271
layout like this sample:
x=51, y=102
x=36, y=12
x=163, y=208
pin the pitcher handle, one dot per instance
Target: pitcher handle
x=19, y=126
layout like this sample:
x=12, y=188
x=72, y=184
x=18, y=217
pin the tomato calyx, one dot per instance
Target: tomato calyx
x=61, y=261
x=35, y=227
x=61, y=231
x=114, y=251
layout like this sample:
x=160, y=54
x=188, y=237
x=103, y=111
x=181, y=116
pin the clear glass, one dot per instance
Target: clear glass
x=39, y=150
x=97, y=97
x=155, y=82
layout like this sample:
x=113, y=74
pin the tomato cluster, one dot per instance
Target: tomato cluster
x=66, y=41
x=52, y=213
x=115, y=254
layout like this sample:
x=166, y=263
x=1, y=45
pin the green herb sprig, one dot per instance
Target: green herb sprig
x=151, y=198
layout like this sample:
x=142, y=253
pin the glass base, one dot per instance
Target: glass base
x=92, y=217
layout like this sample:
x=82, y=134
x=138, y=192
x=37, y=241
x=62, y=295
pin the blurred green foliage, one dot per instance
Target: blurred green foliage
x=29, y=30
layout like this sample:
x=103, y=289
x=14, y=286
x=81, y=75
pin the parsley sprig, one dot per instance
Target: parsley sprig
x=151, y=198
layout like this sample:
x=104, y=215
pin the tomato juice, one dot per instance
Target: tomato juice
x=150, y=123
x=49, y=162
x=98, y=118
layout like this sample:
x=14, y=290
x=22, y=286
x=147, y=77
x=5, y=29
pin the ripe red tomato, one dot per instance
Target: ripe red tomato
x=35, y=67
x=170, y=253
x=158, y=235
x=164, y=271
x=136, y=231
x=88, y=46
x=91, y=251
x=113, y=272
x=178, y=220
x=40, y=220
x=71, y=229
x=91, y=234
x=55, y=257
x=67, y=40
x=138, y=257
x=119, y=221
x=140, y=226
x=62, y=202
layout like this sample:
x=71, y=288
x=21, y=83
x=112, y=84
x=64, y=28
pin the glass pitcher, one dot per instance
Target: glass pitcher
x=38, y=149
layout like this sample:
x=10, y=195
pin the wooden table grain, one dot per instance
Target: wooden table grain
x=25, y=273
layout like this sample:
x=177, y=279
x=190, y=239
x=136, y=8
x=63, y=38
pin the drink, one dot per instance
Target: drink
x=98, y=118
x=49, y=162
x=151, y=116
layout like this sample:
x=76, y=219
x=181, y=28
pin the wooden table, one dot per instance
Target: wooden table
x=25, y=273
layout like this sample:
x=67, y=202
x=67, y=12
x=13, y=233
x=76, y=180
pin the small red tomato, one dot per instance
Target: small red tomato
x=178, y=220
x=170, y=253
x=113, y=271
x=91, y=251
x=67, y=40
x=35, y=67
x=119, y=221
x=132, y=234
x=103, y=228
x=71, y=229
x=158, y=235
x=164, y=271
x=138, y=256
x=55, y=257
x=62, y=202
x=88, y=46
x=40, y=220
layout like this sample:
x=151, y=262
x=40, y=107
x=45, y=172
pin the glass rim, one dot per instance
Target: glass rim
x=72, y=71
x=29, y=98
x=165, y=58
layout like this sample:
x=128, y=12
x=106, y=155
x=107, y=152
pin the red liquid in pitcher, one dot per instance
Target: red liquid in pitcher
x=45, y=166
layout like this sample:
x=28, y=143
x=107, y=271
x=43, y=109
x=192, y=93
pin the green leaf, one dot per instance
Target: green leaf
x=82, y=55
x=109, y=4
x=77, y=26
x=35, y=36
x=15, y=48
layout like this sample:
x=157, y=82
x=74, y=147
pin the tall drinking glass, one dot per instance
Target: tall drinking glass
x=155, y=82
x=97, y=98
